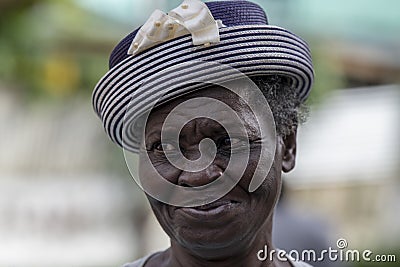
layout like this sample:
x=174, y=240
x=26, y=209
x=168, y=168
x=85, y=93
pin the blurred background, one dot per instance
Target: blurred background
x=66, y=196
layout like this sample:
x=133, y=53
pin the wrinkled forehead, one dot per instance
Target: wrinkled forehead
x=215, y=103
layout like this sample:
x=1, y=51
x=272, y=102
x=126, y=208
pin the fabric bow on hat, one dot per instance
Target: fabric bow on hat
x=191, y=17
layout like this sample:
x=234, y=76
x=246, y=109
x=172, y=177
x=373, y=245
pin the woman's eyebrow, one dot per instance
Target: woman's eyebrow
x=155, y=132
x=152, y=134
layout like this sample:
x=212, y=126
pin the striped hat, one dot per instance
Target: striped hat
x=160, y=60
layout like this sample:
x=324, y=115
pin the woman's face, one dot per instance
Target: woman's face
x=234, y=221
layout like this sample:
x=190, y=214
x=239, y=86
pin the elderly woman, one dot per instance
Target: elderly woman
x=209, y=97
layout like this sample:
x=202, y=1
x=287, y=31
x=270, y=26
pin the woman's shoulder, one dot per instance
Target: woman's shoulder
x=296, y=263
x=136, y=263
x=300, y=264
x=140, y=262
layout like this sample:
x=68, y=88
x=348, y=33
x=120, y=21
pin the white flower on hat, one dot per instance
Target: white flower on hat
x=191, y=17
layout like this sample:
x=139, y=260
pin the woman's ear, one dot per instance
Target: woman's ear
x=289, y=152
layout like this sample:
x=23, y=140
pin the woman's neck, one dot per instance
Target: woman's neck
x=179, y=256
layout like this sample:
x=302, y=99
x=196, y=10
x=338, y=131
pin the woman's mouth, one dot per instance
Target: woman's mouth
x=214, y=209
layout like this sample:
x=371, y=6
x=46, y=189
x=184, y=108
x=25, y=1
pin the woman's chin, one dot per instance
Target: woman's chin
x=215, y=248
x=212, y=239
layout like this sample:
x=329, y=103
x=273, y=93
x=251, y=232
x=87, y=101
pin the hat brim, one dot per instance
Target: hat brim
x=252, y=50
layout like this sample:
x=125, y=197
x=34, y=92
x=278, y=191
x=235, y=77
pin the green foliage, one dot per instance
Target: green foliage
x=53, y=48
x=328, y=75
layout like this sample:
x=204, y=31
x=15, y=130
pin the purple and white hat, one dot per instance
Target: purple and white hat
x=155, y=61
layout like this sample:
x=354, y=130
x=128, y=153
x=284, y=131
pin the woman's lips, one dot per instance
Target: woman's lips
x=214, y=205
x=216, y=208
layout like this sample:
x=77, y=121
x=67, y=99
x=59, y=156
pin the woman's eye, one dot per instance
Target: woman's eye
x=164, y=147
x=236, y=141
x=231, y=142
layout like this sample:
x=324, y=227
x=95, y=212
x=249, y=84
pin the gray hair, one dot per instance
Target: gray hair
x=285, y=104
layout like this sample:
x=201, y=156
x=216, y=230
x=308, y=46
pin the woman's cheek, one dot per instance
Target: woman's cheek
x=158, y=167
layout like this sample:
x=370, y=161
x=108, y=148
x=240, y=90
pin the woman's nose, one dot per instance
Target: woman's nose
x=203, y=177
